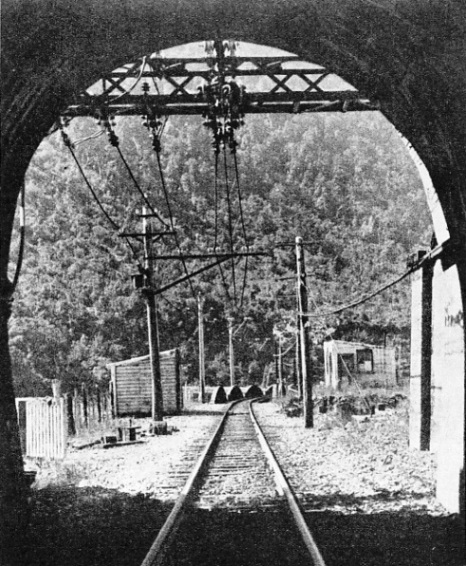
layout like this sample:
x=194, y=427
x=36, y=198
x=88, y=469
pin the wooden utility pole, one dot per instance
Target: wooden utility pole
x=304, y=334
x=299, y=376
x=280, y=366
x=156, y=397
x=232, y=353
x=200, y=306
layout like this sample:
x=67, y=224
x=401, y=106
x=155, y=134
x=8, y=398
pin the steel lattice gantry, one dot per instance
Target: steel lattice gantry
x=192, y=79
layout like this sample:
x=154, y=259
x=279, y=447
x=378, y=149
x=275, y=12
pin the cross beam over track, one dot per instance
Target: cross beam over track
x=274, y=83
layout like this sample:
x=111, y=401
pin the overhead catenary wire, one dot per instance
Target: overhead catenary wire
x=136, y=82
x=93, y=136
x=293, y=345
x=172, y=224
x=216, y=201
x=138, y=187
x=240, y=206
x=67, y=142
x=427, y=257
x=230, y=218
x=222, y=274
x=22, y=236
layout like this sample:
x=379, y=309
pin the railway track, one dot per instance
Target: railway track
x=212, y=522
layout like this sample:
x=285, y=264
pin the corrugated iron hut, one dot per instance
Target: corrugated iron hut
x=131, y=385
x=355, y=361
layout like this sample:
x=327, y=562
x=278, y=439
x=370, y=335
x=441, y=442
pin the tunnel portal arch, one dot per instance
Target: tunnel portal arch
x=408, y=55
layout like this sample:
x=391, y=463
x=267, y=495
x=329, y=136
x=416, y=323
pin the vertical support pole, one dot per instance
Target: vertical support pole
x=99, y=404
x=304, y=335
x=70, y=415
x=299, y=374
x=280, y=366
x=156, y=397
x=275, y=357
x=232, y=353
x=421, y=359
x=426, y=357
x=84, y=402
x=200, y=307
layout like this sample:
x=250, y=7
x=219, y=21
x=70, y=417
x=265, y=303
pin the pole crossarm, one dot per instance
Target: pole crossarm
x=207, y=256
x=185, y=278
x=161, y=85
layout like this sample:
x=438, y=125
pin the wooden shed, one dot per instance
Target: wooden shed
x=131, y=385
x=355, y=361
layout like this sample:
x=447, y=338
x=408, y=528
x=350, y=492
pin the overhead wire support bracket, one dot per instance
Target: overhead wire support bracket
x=207, y=256
x=186, y=277
x=140, y=235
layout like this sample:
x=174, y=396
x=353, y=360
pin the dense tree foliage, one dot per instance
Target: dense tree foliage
x=344, y=183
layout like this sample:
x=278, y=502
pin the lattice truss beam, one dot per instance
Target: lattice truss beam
x=185, y=85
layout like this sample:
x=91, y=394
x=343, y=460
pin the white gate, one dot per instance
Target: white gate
x=45, y=427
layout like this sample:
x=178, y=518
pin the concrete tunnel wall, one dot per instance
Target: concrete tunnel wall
x=409, y=56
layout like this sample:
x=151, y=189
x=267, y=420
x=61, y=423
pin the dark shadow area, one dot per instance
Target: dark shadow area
x=234, y=393
x=348, y=500
x=225, y=538
x=90, y=526
x=388, y=539
x=252, y=391
x=98, y=527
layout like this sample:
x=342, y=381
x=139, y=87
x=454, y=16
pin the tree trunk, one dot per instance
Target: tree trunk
x=84, y=401
x=70, y=415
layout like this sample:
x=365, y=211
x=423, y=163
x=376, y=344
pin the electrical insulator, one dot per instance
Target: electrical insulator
x=138, y=280
x=156, y=143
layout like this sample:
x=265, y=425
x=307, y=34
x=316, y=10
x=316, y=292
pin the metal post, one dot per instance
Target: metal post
x=304, y=335
x=232, y=354
x=200, y=306
x=156, y=397
x=275, y=357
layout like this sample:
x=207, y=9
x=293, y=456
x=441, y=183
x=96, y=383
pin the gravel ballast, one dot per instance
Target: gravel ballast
x=369, y=500
x=157, y=467
x=354, y=465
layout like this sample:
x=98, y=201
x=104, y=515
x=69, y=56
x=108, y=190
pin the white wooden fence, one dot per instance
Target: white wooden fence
x=43, y=419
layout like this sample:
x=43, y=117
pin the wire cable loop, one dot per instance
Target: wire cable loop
x=67, y=142
x=363, y=299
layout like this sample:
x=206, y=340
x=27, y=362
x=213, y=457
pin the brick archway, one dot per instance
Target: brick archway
x=408, y=55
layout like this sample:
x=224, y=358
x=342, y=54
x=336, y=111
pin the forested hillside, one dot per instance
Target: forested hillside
x=345, y=183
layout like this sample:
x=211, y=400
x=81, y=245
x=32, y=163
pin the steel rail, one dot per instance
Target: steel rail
x=166, y=535
x=287, y=491
x=159, y=547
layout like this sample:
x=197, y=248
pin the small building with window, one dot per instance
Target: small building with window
x=356, y=362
